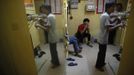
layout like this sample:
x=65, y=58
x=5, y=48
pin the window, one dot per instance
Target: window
x=55, y=6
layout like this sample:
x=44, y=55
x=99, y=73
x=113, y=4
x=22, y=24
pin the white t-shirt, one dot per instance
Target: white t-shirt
x=52, y=37
x=104, y=33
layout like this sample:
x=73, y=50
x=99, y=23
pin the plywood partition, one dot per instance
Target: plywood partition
x=127, y=61
x=16, y=53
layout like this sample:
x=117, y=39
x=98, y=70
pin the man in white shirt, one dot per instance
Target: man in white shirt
x=50, y=27
x=105, y=27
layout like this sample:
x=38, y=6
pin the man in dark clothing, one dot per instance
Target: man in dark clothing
x=83, y=32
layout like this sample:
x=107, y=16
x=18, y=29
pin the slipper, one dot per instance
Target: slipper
x=70, y=59
x=72, y=64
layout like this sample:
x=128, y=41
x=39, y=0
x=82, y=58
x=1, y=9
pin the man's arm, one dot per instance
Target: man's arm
x=115, y=20
x=87, y=29
x=110, y=28
x=46, y=26
x=42, y=27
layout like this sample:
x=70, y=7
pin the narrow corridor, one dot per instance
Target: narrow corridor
x=85, y=65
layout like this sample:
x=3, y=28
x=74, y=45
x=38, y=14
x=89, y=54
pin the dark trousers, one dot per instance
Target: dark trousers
x=54, y=54
x=101, y=56
x=112, y=35
x=80, y=36
x=46, y=36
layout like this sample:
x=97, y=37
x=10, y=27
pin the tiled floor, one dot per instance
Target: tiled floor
x=85, y=65
x=46, y=69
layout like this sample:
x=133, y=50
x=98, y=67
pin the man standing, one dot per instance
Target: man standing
x=50, y=27
x=105, y=27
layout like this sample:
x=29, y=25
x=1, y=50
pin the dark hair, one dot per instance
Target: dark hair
x=86, y=20
x=109, y=5
x=47, y=7
x=119, y=5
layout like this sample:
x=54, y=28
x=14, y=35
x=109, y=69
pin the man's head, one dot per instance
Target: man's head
x=109, y=7
x=86, y=21
x=119, y=7
x=46, y=9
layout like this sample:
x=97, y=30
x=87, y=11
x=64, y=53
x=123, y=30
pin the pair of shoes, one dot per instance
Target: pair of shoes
x=55, y=66
x=70, y=59
x=117, y=56
x=41, y=54
x=72, y=64
x=100, y=69
x=80, y=56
